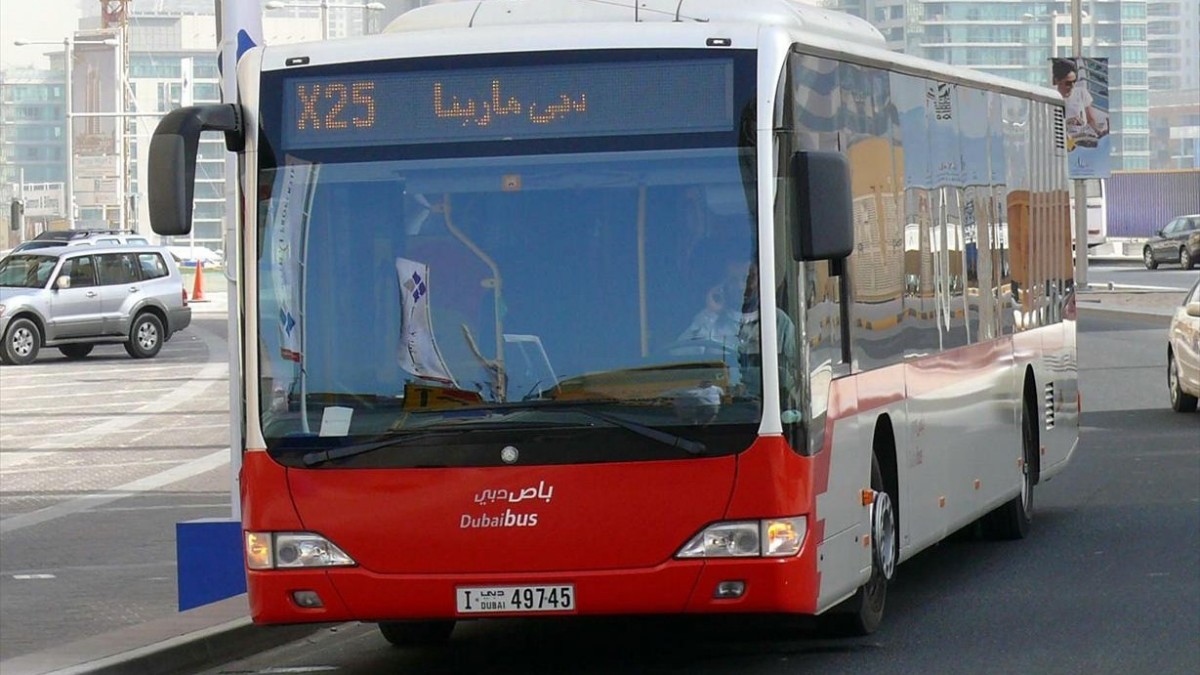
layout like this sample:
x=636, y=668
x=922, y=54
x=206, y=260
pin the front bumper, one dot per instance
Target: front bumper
x=675, y=587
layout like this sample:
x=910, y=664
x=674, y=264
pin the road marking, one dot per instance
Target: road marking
x=162, y=507
x=89, y=466
x=131, y=489
x=24, y=577
x=104, y=390
x=212, y=371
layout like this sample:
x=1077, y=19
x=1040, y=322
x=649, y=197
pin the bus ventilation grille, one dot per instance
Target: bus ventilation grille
x=1050, y=406
x=1060, y=129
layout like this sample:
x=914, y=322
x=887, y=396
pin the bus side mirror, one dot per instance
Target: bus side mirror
x=823, y=227
x=173, y=150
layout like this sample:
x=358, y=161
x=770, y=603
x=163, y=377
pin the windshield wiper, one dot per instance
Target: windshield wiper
x=689, y=446
x=686, y=444
x=341, y=452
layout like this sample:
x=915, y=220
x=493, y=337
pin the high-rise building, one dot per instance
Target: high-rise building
x=1173, y=44
x=32, y=120
x=1017, y=39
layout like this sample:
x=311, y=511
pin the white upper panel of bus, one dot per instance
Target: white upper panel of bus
x=783, y=13
x=499, y=26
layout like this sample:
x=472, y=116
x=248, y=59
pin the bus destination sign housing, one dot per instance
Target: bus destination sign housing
x=509, y=103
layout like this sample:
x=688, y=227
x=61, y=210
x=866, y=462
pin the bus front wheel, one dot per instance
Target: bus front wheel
x=416, y=633
x=862, y=613
x=1013, y=519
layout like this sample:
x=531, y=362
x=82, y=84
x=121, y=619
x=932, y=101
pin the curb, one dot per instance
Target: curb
x=219, y=644
x=188, y=640
x=1148, y=316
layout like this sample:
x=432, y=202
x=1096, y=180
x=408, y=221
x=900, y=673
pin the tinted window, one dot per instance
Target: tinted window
x=26, y=271
x=152, y=266
x=118, y=268
x=81, y=270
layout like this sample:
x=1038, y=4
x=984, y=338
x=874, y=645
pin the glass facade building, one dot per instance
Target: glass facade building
x=1017, y=40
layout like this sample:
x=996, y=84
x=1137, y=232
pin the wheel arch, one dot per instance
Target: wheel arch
x=37, y=321
x=152, y=309
x=883, y=446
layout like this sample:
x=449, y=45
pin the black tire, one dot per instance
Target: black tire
x=416, y=633
x=1185, y=259
x=862, y=613
x=1014, y=518
x=22, y=341
x=76, y=351
x=1180, y=401
x=145, y=336
x=1148, y=259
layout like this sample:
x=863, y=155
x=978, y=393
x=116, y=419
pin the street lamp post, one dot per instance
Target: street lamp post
x=68, y=44
x=325, y=6
x=1081, y=229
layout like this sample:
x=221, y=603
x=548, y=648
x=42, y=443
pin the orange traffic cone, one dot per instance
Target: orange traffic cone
x=198, y=286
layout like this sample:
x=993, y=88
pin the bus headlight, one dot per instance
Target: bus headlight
x=773, y=538
x=286, y=550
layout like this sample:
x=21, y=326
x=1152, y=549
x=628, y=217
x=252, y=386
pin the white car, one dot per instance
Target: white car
x=1183, y=353
x=189, y=256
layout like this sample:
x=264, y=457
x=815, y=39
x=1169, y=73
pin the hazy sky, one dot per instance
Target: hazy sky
x=49, y=20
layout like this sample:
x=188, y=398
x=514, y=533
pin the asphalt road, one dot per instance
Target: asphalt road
x=1107, y=583
x=99, y=459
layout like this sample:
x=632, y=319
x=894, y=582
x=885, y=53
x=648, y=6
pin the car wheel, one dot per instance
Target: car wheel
x=1148, y=259
x=75, y=351
x=22, y=341
x=145, y=336
x=416, y=633
x=1185, y=259
x=1180, y=401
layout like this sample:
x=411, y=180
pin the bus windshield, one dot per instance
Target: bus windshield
x=551, y=289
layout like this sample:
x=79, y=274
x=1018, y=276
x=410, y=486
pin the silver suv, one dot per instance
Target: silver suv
x=75, y=297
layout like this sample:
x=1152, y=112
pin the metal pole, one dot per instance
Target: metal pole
x=325, y=19
x=121, y=126
x=1081, y=228
x=24, y=205
x=69, y=188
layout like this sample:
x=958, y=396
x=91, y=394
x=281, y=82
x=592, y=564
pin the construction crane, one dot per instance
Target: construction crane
x=114, y=16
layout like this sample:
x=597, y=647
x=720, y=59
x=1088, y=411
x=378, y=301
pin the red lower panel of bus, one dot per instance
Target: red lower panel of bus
x=610, y=531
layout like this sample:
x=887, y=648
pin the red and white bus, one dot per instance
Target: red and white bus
x=628, y=308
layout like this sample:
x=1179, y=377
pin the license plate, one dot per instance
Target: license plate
x=515, y=599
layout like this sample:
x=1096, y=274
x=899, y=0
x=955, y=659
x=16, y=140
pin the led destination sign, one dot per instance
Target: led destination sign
x=566, y=100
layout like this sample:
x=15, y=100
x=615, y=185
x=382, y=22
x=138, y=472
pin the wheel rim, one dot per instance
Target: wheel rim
x=1147, y=256
x=884, y=534
x=1026, y=474
x=1026, y=492
x=1172, y=381
x=1185, y=259
x=147, y=335
x=22, y=342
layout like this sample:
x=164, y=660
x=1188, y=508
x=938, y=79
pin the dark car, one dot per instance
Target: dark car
x=51, y=238
x=1178, y=242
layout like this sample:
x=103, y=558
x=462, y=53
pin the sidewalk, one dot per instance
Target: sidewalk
x=222, y=631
